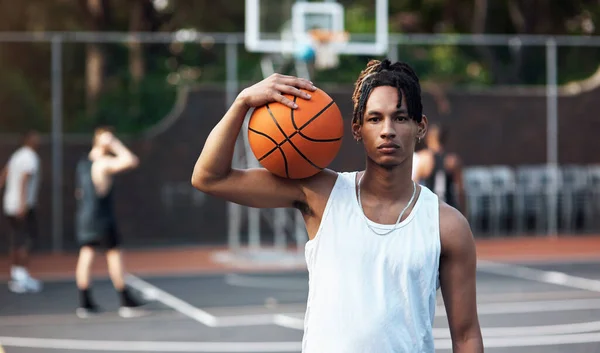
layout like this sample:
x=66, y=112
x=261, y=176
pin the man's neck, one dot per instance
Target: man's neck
x=388, y=184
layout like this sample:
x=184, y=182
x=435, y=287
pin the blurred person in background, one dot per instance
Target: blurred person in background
x=439, y=170
x=21, y=179
x=96, y=224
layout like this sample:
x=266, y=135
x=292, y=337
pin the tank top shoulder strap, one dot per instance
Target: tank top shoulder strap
x=340, y=192
x=345, y=181
x=348, y=179
x=429, y=197
x=346, y=187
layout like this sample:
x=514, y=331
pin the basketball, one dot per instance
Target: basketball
x=296, y=143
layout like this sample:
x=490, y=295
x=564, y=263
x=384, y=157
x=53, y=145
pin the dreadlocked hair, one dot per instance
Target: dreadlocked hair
x=383, y=73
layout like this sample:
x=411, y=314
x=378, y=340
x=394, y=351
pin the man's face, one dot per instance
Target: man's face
x=34, y=140
x=387, y=132
x=103, y=140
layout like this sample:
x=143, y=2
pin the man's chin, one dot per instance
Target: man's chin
x=388, y=163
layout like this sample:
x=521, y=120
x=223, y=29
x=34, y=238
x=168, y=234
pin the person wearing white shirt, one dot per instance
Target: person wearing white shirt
x=21, y=179
x=379, y=246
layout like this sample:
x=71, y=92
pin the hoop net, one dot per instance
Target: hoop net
x=324, y=43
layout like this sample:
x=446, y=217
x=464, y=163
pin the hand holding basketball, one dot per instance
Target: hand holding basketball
x=273, y=88
x=293, y=137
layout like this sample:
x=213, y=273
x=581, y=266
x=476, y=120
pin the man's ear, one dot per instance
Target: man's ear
x=356, y=131
x=422, y=127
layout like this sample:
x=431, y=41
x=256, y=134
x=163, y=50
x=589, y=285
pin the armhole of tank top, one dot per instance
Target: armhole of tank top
x=438, y=239
x=332, y=194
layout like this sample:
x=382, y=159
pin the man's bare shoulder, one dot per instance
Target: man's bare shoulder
x=317, y=190
x=102, y=163
x=455, y=231
x=320, y=182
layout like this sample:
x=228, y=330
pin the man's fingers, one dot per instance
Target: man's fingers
x=297, y=82
x=291, y=90
x=281, y=99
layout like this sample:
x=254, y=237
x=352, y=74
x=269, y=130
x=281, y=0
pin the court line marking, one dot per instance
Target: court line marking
x=441, y=333
x=266, y=283
x=71, y=319
x=153, y=292
x=245, y=320
x=171, y=301
x=255, y=309
x=509, y=342
x=542, y=330
x=253, y=281
x=530, y=307
x=149, y=346
x=284, y=320
x=483, y=299
x=168, y=347
x=291, y=322
x=551, y=277
x=592, y=260
x=280, y=319
x=532, y=296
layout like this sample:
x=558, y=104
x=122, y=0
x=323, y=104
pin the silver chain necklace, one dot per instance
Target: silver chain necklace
x=399, y=217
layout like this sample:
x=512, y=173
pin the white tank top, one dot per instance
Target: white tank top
x=367, y=292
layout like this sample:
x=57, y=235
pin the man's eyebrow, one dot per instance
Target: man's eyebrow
x=399, y=111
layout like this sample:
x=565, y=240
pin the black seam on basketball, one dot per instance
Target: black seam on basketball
x=268, y=153
x=277, y=147
x=287, y=172
x=287, y=138
x=314, y=117
x=292, y=117
x=299, y=130
x=267, y=136
x=312, y=139
x=319, y=140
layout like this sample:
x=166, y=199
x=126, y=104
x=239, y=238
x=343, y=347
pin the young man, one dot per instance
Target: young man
x=95, y=219
x=379, y=245
x=21, y=177
x=439, y=170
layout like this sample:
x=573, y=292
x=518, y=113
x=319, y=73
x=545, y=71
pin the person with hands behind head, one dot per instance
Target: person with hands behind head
x=379, y=245
x=96, y=224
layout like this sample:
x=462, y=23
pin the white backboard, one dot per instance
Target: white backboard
x=301, y=13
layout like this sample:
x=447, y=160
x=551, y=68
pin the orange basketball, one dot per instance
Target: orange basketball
x=297, y=143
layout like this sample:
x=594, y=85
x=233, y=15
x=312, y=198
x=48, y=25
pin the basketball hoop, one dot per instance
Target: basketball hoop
x=324, y=43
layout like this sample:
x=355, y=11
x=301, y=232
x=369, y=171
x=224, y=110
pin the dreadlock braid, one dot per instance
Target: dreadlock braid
x=383, y=73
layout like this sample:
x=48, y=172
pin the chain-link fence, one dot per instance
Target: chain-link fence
x=518, y=111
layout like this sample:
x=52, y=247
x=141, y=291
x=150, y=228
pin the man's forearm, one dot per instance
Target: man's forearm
x=119, y=149
x=123, y=153
x=470, y=345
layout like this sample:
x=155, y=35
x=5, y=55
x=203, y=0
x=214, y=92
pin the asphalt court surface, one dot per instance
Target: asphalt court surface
x=522, y=308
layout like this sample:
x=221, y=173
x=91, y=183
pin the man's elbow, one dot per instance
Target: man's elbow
x=134, y=162
x=469, y=341
x=203, y=180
